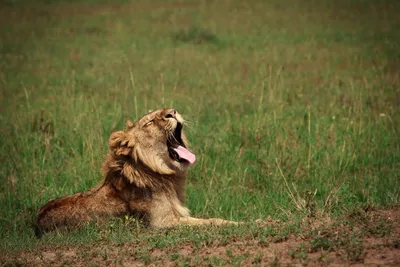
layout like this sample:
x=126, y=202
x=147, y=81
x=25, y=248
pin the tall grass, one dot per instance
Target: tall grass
x=284, y=97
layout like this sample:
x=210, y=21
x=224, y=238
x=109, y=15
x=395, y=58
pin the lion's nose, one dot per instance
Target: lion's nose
x=171, y=114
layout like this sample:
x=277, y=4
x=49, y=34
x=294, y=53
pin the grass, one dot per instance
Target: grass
x=237, y=245
x=294, y=106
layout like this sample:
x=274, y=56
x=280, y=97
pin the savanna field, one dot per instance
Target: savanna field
x=292, y=109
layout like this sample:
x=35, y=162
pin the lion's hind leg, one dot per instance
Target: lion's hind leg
x=79, y=209
x=61, y=213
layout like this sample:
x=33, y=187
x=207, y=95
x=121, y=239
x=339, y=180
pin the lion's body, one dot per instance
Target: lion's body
x=141, y=180
x=78, y=209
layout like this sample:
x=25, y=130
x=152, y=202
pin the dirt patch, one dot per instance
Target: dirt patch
x=362, y=238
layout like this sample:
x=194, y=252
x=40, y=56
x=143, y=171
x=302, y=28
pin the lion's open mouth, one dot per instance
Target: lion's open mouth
x=177, y=149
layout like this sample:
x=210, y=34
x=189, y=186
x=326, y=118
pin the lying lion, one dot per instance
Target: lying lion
x=145, y=174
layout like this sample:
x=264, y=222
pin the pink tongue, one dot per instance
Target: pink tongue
x=185, y=154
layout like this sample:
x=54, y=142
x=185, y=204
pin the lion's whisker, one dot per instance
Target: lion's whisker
x=188, y=122
x=171, y=135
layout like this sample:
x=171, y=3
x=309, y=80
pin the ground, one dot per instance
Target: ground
x=363, y=238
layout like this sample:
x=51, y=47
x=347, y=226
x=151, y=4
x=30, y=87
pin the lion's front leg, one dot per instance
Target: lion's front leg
x=197, y=221
x=168, y=212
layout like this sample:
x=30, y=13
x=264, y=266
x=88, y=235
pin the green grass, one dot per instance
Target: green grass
x=284, y=97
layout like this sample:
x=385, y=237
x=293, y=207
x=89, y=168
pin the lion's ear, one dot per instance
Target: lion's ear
x=120, y=143
x=128, y=124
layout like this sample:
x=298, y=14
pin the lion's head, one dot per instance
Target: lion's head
x=155, y=142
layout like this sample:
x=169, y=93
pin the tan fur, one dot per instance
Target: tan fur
x=140, y=180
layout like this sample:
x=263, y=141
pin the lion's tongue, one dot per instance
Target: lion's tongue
x=185, y=154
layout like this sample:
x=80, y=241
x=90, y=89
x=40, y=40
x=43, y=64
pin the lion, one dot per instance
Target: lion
x=144, y=177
